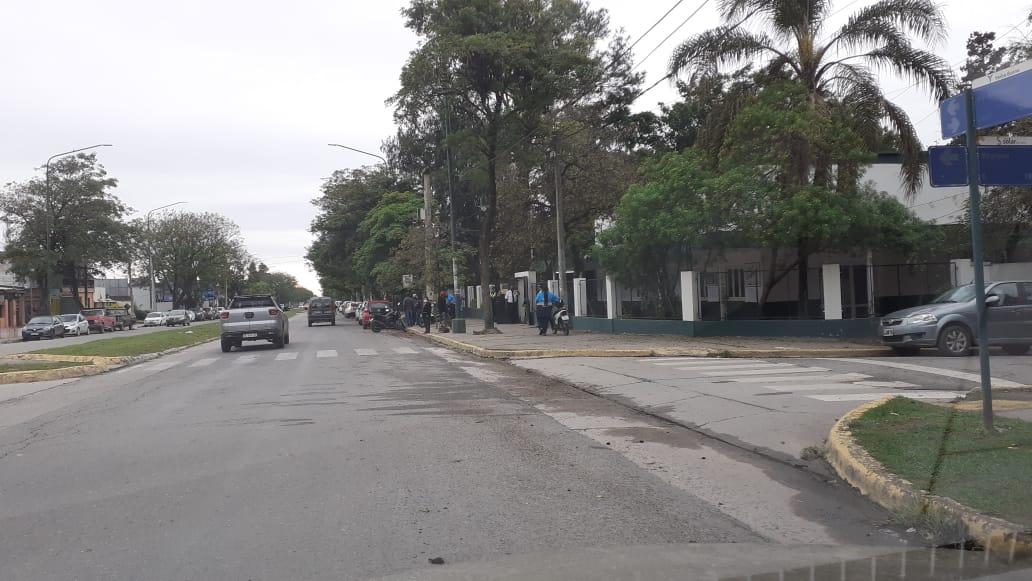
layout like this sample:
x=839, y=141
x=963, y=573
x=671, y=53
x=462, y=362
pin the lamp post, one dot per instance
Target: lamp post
x=386, y=163
x=50, y=210
x=150, y=249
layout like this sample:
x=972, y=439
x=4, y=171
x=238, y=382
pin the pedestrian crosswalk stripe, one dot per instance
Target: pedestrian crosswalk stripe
x=365, y=351
x=876, y=396
x=405, y=350
x=323, y=353
x=792, y=369
x=896, y=384
x=788, y=388
x=246, y=359
x=286, y=356
x=203, y=362
x=740, y=366
x=707, y=361
x=819, y=377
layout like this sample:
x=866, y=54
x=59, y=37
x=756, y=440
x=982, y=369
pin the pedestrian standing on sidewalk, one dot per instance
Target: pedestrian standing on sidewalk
x=543, y=302
x=511, y=298
x=408, y=305
x=427, y=314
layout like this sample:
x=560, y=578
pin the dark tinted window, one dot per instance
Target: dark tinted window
x=320, y=303
x=92, y=312
x=252, y=302
x=1009, y=295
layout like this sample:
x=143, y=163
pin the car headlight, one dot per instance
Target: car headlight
x=924, y=319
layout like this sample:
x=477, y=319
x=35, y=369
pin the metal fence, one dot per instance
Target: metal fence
x=595, y=289
x=900, y=286
x=743, y=294
x=642, y=303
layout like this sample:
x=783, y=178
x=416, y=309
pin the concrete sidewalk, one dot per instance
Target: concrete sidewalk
x=522, y=342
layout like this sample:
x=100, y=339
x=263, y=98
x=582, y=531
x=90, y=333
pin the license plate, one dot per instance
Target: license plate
x=250, y=335
x=34, y=334
x=888, y=333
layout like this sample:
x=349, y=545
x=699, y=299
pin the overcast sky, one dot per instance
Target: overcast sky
x=228, y=104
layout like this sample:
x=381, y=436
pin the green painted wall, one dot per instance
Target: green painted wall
x=851, y=329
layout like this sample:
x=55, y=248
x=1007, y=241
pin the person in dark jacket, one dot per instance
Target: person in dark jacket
x=427, y=314
x=543, y=302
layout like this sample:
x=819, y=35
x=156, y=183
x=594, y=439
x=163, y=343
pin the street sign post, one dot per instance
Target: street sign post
x=995, y=99
x=997, y=166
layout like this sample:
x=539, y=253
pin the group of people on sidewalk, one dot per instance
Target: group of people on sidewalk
x=421, y=312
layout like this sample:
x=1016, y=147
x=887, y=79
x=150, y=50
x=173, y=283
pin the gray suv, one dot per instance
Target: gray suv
x=253, y=318
x=950, y=321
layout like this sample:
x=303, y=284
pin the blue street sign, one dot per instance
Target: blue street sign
x=997, y=166
x=1001, y=97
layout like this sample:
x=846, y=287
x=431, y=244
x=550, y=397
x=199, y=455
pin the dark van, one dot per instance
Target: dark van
x=322, y=310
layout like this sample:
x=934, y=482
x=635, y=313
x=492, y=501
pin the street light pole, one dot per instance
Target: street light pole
x=150, y=249
x=386, y=163
x=50, y=209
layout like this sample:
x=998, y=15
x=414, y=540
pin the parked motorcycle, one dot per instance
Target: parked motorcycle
x=560, y=319
x=389, y=319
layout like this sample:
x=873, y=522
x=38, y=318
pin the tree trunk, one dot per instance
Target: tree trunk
x=75, y=285
x=487, y=227
x=804, y=280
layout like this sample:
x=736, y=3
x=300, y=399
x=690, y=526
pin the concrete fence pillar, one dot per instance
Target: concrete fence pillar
x=471, y=298
x=480, y=296
x=832, y=292
x=553, y=287
x=580, y=297
x=612, y=298
x=689, y=296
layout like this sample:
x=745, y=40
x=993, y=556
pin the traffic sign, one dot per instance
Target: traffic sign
x=997, y=166
x=1001, y=97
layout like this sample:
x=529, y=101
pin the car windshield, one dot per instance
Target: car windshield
x=69, y=318
x=92, y=312
x=155, y=315
x=961, y=294
x=40, y=321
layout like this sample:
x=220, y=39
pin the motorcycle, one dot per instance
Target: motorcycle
x=389, y=319
x=560, y=319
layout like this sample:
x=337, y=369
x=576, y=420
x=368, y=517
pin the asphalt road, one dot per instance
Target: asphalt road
x=346, y=455
x=26, y=346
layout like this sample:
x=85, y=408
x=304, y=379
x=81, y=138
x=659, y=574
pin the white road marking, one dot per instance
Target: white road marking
x=324, y=353
x=792, y=369
x=704, y=361
x=741, y=366
x=974, y=377
x=825, y=377
x=286, y=356
x=659, y=360
x=204, y=362
x=876, y=396
x=896, y=384
x=245, y=359
x=365, y=352
x=839, y=386
x=405, y=350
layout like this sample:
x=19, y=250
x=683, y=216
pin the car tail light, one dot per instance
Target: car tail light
x=224, y=315
x=274, y=312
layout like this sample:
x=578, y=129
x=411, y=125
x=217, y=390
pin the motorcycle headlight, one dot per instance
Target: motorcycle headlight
x=924, y=319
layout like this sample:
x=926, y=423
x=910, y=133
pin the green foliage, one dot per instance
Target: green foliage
x=384, y=228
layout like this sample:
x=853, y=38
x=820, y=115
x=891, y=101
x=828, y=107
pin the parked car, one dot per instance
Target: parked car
x=190, y=315
x=75, y=324
x=349, y=309
x=44, y=326
x=177, y=317
x=155, y=319
x=209, y=313
x=253, y=318
x=123, y=320
x=321, y=310
x=950, y=321
x=100, y=321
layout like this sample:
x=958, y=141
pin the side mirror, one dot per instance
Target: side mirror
x=992, y=300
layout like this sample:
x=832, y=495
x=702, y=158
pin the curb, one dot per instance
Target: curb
x=867, y=475
x=51, y=374
x=488, y=353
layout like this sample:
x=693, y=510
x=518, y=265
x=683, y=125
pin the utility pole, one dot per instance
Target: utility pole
x=150, y=251
x=451, y=207
x=429, y=224
x=560, y=230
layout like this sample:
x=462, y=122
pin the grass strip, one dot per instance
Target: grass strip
x=38, y=365
x=954, y=457
x=132, y=345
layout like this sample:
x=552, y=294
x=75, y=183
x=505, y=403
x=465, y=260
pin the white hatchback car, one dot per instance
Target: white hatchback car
x=75, y=324
x=155, y=319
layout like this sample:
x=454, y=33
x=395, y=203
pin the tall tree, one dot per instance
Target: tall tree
x=793, y=41
x=75, y=212
x=189, y=248
x=506, y=66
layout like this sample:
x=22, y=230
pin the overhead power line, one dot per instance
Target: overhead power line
x=672, y=33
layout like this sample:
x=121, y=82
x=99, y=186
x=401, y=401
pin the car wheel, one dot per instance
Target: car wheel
x=333, y=323
x=279, y=341
x=226, y=346
x=309, y=323
x=1016, y=349
x=955, y=341
x=286, y=339
x=906, y=351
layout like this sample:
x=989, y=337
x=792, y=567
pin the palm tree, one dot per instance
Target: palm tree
x=837, y=68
